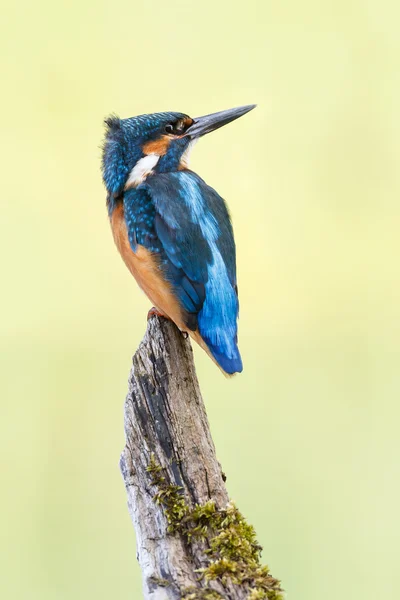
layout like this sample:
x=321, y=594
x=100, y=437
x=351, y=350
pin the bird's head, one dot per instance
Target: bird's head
x=155, y=143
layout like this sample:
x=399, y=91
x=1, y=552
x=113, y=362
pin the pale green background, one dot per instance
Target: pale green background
x=308, y=435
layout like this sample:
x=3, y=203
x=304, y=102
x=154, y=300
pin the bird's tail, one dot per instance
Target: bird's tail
x=229, y=363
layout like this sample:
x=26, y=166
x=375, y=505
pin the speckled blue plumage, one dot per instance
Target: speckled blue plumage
x=139, y=214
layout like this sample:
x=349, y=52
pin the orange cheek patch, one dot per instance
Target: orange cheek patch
x=188, y=121
x=158, y=147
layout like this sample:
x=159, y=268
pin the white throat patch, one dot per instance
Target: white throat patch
x=141, y=170
x=186, y=155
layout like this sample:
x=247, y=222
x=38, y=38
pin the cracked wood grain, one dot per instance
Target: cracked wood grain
x=165, y=418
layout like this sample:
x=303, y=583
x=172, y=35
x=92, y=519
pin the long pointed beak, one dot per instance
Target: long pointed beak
x=208, y=123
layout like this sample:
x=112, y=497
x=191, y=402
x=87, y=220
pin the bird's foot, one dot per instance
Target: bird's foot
x=154, y=312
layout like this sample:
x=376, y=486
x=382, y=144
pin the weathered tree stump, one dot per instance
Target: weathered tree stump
x=192, y=542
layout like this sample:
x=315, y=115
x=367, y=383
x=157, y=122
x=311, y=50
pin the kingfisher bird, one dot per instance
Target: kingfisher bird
x=172, y=230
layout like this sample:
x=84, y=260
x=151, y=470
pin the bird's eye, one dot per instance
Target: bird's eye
x=176, y=128
x=180, y=127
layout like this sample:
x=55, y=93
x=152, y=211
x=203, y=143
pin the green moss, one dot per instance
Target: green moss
x=153, y=467
x=169, y=496
x=233, y=551
x=160, y=582
x=201, y=594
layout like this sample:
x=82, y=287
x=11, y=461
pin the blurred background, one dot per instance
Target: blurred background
x=308, y=434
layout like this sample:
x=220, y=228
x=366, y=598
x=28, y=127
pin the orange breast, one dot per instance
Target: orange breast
x=145, y=268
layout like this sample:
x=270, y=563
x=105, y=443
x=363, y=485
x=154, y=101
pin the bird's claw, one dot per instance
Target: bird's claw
x=153, y=312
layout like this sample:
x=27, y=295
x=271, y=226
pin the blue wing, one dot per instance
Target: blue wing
x=193, y=234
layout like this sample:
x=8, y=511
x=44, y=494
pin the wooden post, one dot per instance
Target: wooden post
x=192, y=543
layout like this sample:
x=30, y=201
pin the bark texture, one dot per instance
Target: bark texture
x=166, y=425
